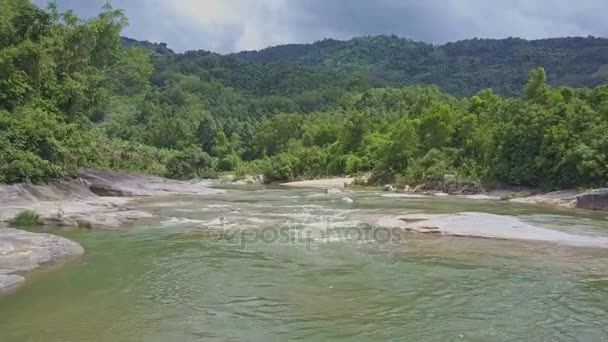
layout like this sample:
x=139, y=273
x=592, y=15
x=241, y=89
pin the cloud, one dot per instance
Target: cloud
x=233, y=25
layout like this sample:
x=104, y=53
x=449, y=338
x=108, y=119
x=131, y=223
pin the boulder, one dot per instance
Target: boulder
x=388, y=187
x=594, y=200
x=347, y=200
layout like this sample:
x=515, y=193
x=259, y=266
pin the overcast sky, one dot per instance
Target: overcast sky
x=234, y=25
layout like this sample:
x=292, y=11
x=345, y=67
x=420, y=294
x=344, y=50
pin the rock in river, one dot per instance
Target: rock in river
x=483, y=225
x=594, y=200
x=22, y=252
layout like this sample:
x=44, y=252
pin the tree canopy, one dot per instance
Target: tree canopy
x=74, y=94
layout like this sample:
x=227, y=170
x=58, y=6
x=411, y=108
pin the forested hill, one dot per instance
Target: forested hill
x=462, y=68
x=73, y=94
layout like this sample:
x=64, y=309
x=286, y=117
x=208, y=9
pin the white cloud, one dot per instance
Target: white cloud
x=233, y=25
x=254, y=23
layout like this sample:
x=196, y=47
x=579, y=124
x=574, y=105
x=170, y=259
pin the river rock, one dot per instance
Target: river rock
x=22, y=252
x=483, y=225
x=594, y=200
x=388, y=187
x=347, y=200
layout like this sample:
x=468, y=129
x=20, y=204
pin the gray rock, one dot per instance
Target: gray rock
x=79, y=202
x=594, y=200
x=483, y=225
x=22, y=252
x=347, y=200
x=388, y=187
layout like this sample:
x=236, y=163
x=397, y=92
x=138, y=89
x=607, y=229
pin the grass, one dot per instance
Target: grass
x=26, y=218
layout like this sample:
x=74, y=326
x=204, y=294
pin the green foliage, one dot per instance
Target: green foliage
x=26, y=219
x=74, y=94
x=191, y=162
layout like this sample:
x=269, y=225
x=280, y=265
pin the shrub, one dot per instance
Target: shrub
x=26, y=218
x=190, y=163
x=228, y=163
x=353, y=164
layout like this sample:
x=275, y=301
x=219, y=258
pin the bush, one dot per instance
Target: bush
x=26, y=218
x=190, y=163
x=353, y=164
x=228, y=163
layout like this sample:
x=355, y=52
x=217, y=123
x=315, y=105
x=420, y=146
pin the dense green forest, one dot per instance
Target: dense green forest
x=74, y=94
x=461, y=68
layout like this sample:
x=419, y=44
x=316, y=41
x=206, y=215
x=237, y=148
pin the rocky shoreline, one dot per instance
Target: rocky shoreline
x=93, y=200
x=596, y=199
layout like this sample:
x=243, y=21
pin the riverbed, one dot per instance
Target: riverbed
x=262, y=264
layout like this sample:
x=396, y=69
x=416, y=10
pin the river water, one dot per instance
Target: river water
x=258, y=264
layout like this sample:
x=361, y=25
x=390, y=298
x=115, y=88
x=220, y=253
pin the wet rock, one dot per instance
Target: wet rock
x=594, y=200
x=347, y=200
x=22, y=252
x=388, y=187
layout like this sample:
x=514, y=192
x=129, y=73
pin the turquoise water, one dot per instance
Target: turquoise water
x=312, y=272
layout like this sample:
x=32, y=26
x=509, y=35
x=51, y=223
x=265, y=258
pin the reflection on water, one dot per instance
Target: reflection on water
x=177, y=279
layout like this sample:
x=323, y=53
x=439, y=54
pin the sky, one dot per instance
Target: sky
x=234, y=25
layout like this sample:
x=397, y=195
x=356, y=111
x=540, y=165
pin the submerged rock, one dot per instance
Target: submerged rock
x=9, y=282
x=333, y=191
x=22, y=252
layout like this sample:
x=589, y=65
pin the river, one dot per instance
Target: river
x=259, y=264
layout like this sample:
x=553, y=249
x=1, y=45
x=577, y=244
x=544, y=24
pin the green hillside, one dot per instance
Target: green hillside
x=461, y=68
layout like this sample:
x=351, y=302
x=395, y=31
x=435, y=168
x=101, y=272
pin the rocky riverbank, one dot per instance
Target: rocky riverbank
x=22, y=252
x=94, y=199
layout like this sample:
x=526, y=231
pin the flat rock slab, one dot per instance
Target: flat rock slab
x=22, y=252
x=482, y=225
x=339, y=183
x=95, y=200
x=123, y=185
